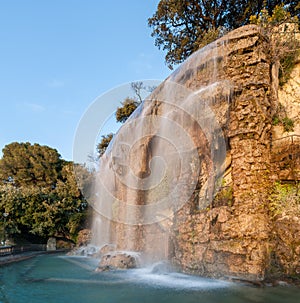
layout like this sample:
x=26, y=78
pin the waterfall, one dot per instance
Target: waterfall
x=169, y=152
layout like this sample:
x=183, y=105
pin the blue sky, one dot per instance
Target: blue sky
x=57, y=56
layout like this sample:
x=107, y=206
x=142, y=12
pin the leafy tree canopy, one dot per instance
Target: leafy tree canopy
x=39, y=192
x=123, y=112
x=130, y=104
x=26, y=164
x=181, y=27
x=102, y=146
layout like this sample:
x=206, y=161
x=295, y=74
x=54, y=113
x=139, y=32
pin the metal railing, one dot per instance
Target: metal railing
x=285, y=153
x=288, y=144
x=16, y=249
x=291, y=138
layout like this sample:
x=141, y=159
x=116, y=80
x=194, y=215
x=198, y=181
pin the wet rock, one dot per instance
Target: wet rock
x=105, y=249
x=84, y=237
x=87, y=251
x=117, y=260
x=233, y=235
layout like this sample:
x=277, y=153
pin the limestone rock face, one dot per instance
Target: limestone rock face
x=285, y=255
x=285, y=160
x=285, y=151
x=230, y=237
x=216, y=230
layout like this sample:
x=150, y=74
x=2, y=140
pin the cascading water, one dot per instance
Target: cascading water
x=170, y=148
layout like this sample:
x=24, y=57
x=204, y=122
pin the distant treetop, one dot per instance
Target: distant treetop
x=24, y=164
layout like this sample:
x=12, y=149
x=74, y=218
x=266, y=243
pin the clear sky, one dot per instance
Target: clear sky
x=57, y=56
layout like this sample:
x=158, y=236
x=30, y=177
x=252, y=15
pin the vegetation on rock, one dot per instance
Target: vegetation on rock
x=282, y=28
x=129, y=105
x=285, y=199
x=281, y=118
x=286, y=122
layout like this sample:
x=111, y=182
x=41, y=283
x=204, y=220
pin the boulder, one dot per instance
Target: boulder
x=117, y=260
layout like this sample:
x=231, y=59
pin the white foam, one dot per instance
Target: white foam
x=178, y=280
x=158, y=275
x=87, y=250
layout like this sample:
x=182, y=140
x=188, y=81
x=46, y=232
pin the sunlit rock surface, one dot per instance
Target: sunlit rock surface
x=187, y=177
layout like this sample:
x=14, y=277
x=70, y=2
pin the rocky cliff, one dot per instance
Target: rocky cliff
x=209, y=210
x=230, y=237
x=285, y=167
x=239, y=235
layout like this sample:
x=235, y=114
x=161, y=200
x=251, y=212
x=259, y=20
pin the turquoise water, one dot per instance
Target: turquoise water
x=60, y=279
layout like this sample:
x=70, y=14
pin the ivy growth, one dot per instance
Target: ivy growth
x=284, y=199
x=224, y=196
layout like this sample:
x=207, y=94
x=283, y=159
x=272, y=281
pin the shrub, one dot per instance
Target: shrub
x=288, y=124
x=284, y=199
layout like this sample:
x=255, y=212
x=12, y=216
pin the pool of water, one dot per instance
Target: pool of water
x=60, y=279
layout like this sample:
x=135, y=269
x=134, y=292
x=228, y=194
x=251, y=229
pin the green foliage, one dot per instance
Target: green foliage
x=26, y=164
x=287, y=64
x=128, y=107
x=224, y=197
x=123, y=112
x=288, y=124
x=47, y=202
x=276, y=120
x=284, y=199
x=181, y=27
x=278, y=15
x=102, y=146
x=281, y=26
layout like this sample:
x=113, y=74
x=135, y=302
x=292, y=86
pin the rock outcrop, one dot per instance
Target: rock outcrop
x=219, y=223
x=231, y=239
x=238, y=235
x=285, y=167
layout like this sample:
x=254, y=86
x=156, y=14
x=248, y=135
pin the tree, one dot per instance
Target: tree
x=39, y=192
x=281, y=28
x=26, y=164
x=102, y=146
x=41, y=212
x=129, y=105
x=181, y=27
